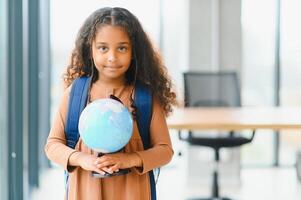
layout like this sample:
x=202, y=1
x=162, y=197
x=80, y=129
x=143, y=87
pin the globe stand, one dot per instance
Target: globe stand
x=106, y=175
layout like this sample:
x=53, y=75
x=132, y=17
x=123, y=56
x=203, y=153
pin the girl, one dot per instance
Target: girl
x=112, y=47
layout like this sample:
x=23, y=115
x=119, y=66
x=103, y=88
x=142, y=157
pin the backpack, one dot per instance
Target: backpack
x=77, y=102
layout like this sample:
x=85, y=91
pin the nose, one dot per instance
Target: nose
x=111, y=57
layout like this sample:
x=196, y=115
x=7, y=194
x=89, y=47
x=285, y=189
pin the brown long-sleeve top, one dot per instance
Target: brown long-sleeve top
x=133, y=186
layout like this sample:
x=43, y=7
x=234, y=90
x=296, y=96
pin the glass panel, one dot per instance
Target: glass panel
x=258, y=30
x=290, y=74
x=3, y=94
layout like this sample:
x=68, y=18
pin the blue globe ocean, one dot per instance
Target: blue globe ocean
x=105, y=125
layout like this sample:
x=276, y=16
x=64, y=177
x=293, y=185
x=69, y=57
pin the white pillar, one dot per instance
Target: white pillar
x=214, y=45
x=215, y=35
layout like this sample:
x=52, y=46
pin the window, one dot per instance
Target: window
x=3, y=94
x=258, y=35
x=258, y=21
x=290, y=92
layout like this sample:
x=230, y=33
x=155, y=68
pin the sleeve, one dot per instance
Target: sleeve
x=55, y=148
x=161, y=152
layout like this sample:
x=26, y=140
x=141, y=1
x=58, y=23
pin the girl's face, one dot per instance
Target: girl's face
x=112, y=53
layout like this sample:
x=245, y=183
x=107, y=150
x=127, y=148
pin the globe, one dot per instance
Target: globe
x=105, y=125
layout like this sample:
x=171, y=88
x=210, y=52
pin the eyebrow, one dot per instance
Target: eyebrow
x=118, y=43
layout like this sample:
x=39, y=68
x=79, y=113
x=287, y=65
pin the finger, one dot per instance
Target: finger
x=106, y=169
x=105, y=164
x=102, y=159
x=114, y=168
x=100, y=171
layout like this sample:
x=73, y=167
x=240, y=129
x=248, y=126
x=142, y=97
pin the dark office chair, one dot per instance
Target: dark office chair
x=219, y=89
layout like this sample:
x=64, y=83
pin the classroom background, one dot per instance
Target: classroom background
x=259, y=40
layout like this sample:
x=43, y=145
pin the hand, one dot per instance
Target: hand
x=87, y=162
x=113, y=162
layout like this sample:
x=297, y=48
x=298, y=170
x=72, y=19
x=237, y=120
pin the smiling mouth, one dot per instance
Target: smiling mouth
x=113, y=67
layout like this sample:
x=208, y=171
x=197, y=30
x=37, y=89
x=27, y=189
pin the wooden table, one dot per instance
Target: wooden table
x=242, y=118
x=273, y=118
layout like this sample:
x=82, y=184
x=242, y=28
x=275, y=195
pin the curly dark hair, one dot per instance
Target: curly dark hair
x=146, y=65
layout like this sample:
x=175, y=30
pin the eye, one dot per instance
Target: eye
x=122, y=49
x=102, y=48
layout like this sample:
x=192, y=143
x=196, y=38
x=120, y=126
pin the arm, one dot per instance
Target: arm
x=161, y=152
x=56, y=149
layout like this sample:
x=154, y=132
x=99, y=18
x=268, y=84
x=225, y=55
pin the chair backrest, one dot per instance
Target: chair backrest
x=211, y=89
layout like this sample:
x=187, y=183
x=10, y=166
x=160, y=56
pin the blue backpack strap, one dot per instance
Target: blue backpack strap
x=77, y=102
x=143, y=103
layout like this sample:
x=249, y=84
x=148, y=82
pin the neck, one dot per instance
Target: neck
x=111, y=82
